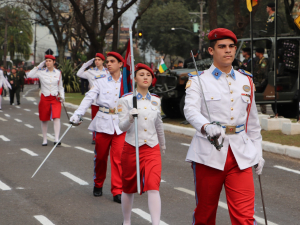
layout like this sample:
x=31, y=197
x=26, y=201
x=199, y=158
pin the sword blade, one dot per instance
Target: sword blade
x=52, y=150
x=262, y=199
x=66, y=111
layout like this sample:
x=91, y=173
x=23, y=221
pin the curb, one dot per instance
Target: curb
x=291, y=151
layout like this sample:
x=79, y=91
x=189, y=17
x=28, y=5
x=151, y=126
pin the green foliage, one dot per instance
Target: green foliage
x=69, y=77
x=157, y=22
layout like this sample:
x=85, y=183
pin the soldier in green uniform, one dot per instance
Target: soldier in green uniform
x=15, y=81
x=260, y=74
x=270, y=26
x=22, y=74
x=246, y=64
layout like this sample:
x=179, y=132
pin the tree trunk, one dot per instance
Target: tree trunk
x=61, y=52
x=212, y=12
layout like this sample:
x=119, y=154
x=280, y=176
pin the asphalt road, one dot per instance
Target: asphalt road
x=61, y=192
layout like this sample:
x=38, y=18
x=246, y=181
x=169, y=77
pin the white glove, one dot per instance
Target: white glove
x=163, y=149
x=42, y=64
x=214, y=130
x=88, y=63
x=132, y=112
x=260, y=165
x=61, y=100
x=75, y=119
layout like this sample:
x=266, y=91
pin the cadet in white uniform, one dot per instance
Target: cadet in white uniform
x=151, y=140
x=3, y=84
x=109, y=137
x=52, y=95
x=90, y=75
x=229, y=97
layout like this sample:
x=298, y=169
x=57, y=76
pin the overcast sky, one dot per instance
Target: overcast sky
x=130, y=15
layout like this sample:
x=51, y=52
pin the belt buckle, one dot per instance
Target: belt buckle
x=112, y=111
x=230, y=129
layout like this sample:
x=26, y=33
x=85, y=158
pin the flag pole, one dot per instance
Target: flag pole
x=275, y=58
x=251, y=38
x=135, y=117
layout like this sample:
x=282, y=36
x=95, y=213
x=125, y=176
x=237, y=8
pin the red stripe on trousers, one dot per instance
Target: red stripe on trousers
x=95, y=109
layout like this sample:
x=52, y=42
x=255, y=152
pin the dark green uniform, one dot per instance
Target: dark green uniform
x=23, y=76
x=15, y=81
x=246, y=65
x=270, y=26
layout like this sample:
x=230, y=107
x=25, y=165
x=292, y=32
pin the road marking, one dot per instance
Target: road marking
x=37, y=114
x=51, y=138
x=28, y=152
x=28, y=110
x=43, y=220
x=18, y=120
x=20, y=188
x=28, y=91
x=185, y=144
x=32, y=99
x=4, y=138
x=146, y=216
x=28, y=125
x=162, y=181
x=35, y=103
x=2, y=119
x=6, y=98
x=85, y=150
x=18, y=107
x=224, y=206
x=90, y=133
x=67, y=124
x=86, y=118
x=287, y=169
x=4, y=187
x=6, y=115
x=76, y=179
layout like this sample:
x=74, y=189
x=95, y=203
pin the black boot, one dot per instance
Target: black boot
x=59, y=143
x=97, y=192
x=117, y=198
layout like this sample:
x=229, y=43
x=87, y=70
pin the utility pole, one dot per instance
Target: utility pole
x=202, y=3
x=34, y=48
x=5, y=43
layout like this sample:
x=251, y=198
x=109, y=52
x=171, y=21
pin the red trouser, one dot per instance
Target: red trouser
x=103, y=143
x=239, y=189
x=95, y=109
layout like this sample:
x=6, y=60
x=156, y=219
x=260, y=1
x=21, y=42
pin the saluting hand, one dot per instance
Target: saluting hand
x=42, y=64
x=88, y=63
x=132, y=112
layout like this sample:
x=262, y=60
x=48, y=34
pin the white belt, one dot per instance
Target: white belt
x=107, y=110
x=229, y=129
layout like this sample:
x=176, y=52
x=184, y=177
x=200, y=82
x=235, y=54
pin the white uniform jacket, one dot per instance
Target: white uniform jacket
x=227, y=97
x=51, y=82
x=106, y=91
x=3, y=81
x=90, y=75
x=150, y=125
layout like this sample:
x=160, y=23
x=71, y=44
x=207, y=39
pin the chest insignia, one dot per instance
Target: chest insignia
x=154, y=103
x=120, y=108
x=188, y=84
x=100, y=76
x=246, y=88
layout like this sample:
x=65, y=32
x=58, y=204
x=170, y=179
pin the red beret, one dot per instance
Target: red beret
x=116, y=55
x=50, y=57
x=221, y=33
x=140, y=66
x=100, y=56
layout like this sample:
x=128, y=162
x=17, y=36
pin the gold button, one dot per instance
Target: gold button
x=114, y=119
x=232, y=100
x=115, y=101
x=116, y=88
x=145, y=130
x=145, y=118
x=231, y=92
x=247, y=100
x=229, y=83
x=231, y=118
x=143, y=98
x=108, y=92
x=212, y=97
x=145, y=140
x=226, y=75
x=145, y=107
x=231, y=109
x=116, y=94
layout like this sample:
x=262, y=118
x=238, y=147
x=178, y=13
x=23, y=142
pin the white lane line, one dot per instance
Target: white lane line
x=35, y=103
x=51, y=138
x=146, y=216
x=287, y=169
x=162, y=181
x=4, y=138
x=26, y=93
x=185, y=144
x=86, y=118
x=6, y=98
x=37, y=114
x=85, y=150
x=67, y=124
x=20, y=188
x=18, y=120
x=18, y=107
x=4, y=187
x=224, y=206
x=28, y=152
x=28, y=110
x=90, y=133
x=32, y=99
x=6, y=115
x=28, y=125
x=2, y=119
x=76, y=179
x=43, y=220
x=70, y=113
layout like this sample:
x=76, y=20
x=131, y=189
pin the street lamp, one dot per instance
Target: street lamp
x=180, y=28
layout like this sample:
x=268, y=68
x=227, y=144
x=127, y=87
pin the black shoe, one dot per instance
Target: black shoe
x=44, y=144
x=97, y=192
x=93, y=142
x=117, y=198
x=59, y=143
x=18, y=103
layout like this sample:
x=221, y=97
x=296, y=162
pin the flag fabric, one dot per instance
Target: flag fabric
x=249, y=5
x=126, y=84
x=162, y=67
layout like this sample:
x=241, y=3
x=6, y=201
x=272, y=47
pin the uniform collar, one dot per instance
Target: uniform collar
x=139, y=96
x=109, y=78
x=49, y=71
x=217, y=73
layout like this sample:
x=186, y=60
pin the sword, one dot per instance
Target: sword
x=213, y=140
x=66, y=111
x=135, y=117
x=52, y=149
x=262, y=197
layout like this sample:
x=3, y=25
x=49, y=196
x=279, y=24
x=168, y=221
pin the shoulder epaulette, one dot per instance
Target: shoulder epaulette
x=194, y=73
x=42, y=68
x=245, y=72
x=155, y=95
x=100, y=76
x=129, y=93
